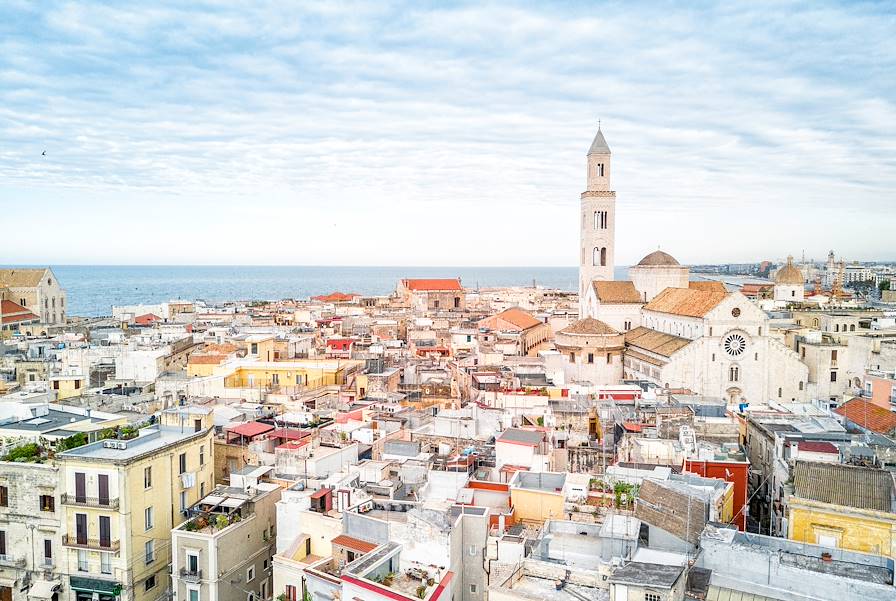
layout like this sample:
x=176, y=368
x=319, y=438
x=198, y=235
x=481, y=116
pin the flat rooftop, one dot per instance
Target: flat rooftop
x=150, y=440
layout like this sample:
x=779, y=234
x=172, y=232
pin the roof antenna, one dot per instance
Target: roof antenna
x=598, y=125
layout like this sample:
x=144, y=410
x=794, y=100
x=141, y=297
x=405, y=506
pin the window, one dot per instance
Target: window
x=250, y=597
x=609, y=358
x=833, y=376
x=183, y=500
x=627, y=325
x=250, y=574
x=572, y=357
x=779, y=393
x=254, y=349
x=47, y=503
x=182, y=462
x=833, y=355
x=105, y=563
x=81, y=528
x=590, y=357
x=734, y=373
x=147, y=477
x=147, y=518
x=201, y=455
x=473, y=589
x=264, y=565
x=149, y=583
x=457, y=302
x=82, y=560
x=653, y=597
x=4, y=496
x=713, y=356
x=48, y=552
x=202, y=489
x=2, y=542
x=192, y=563
x=55, y=384
x=801, y=384
x=435, y=304
x=290, y=593
x=150, y=549
x=603, y=257
x=105, y=531
x=193, y=594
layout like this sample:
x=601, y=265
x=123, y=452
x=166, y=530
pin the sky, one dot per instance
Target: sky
x=378, y=133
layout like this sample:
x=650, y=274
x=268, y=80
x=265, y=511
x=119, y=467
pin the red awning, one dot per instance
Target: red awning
x=250, y=429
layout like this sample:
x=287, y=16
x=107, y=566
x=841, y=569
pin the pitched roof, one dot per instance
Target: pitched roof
x=817, y=446
x=866, y=414
x=685, y=301
x=335, y=297
x=599, y=144
x=658, y=258
x=708, y=286
x=530, y=438
x=616, y=292
x=355, y=544
x=11, y=312
x=591, y=326
x=518, y=317
x=845, y=485
x=655, y=342
x=21, y=278
x=433, y=284
x=249, y=429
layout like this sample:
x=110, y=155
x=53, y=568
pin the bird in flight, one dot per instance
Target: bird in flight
x=43, y=154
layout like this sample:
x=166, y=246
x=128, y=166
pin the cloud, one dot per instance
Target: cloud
x=444, y=134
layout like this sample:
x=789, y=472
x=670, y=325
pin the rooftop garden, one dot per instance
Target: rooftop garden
x=209, y=522
x=44, y=449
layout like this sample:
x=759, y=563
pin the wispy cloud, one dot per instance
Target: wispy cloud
x=380, y=133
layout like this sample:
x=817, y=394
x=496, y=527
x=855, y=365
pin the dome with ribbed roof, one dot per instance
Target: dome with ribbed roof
x=589, y=326
x=789, y=274
x=658, y=258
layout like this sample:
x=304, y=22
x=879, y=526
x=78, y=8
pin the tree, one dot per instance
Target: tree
x=884, y=285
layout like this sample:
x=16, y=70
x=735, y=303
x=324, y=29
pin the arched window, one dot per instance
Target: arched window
x=733, y=373
x=852, y=327
x=815, y=322
x=596, y=219
x=836, y=327
x=801, y=384
x=595, y=257
x=603, y=257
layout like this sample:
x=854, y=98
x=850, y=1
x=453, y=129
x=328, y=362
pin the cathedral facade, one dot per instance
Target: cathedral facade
x=677, y=333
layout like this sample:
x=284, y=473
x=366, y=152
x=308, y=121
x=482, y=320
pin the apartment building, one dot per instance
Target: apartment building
x=121, y=497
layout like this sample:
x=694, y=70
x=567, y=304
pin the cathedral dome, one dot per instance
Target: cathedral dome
x=789, y=274
x=658, y=259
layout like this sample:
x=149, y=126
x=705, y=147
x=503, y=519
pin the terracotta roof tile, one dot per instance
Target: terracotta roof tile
x=21, y=278
x=685, y=302
x=336, y=297
x=589, y=325
x=616, y=292
x=708, y=286
x=355, y=544
x=520, y=318
x=655, y=342
x=867, y=415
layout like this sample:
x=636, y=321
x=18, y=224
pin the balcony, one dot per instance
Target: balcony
x=93, y=544
x=12, y=562
x=191, y=576
x=97, y=502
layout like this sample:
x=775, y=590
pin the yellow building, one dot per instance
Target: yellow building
x=842, y=506
x=537, y=496
x=68, y=386
x=120, y=499
x=311, y=373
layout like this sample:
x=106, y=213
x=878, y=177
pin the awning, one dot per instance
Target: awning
x=44, y=589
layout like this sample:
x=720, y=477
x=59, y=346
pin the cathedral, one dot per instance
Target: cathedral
x=660, y=326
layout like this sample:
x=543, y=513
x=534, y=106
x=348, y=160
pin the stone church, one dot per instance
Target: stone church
x=661, y=327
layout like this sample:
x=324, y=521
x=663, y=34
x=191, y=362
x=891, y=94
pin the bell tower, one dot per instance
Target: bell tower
x=598, y=220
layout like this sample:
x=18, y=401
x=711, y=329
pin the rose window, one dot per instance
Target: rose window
x=735, y=344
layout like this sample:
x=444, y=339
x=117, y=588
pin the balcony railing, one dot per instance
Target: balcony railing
x=90, y=543
x=12, y=562
x=68, y=499
x=192, y=576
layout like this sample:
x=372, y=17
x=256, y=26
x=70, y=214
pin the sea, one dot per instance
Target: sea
x=92, y=290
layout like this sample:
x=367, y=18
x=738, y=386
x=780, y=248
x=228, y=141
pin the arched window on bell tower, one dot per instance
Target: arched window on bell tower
x=595, y=257
x=603, y=257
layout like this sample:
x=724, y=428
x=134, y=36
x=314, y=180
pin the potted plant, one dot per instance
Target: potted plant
x=421, y=591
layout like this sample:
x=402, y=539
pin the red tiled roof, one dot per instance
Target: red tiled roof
x=289, y=433
x=817, y=446
x=436, y=284
x=355, y=544
x=11, y=312
x=336, y=297
x=146, y=318
x=251, y=429
x=866, y=414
